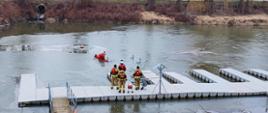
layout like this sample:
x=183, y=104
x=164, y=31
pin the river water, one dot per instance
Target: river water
x=179, y=47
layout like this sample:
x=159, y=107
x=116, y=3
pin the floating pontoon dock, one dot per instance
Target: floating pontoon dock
x=258, y=73
x=174, y=86
x=178, y=78
x=239, y=75
x=207, y=76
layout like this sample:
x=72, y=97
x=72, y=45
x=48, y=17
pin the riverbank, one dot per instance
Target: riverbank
x=121, y=13
x=252, y=20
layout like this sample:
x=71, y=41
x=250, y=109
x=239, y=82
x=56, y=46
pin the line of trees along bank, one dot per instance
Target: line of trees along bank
x=124, y=11
x=241, y=6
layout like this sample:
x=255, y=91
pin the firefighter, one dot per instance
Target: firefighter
x=137, y=77
x=114, y=76
x=101, y=57
x=122, y=78
x=122, y=66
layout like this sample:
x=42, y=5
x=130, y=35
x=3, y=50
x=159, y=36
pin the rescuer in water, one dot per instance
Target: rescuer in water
x=114, y=76
x=137, y=77
x=101, y=57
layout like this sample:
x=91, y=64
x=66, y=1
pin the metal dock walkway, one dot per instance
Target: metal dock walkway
x=29, y=94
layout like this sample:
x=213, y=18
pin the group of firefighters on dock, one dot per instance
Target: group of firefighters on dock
x=118, y=74
x=119, y=77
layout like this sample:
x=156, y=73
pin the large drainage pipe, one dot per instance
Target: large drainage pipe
x=40, y=9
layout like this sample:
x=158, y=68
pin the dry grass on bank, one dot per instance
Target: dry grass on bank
x=256, y=20
x=154, y=18
x=97, y=12
x=9, y=11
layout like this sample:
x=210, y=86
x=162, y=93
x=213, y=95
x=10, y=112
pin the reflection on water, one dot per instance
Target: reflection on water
x=117, y=107
x=24, y=28
x=218, y=105
x=209, y=67
x=179, y=47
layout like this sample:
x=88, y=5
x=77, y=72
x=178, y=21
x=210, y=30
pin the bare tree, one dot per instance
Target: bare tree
x=226, y=5
x=210, y=6
x=179, y=5
x=150, y=4
x=247, y=6
x=185, y=6
x=244, y=6
x=241, y=6
x=22, y=2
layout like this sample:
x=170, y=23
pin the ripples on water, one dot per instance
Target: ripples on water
x=180, y=48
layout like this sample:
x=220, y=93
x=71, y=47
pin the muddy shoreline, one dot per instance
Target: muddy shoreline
x=12, y=12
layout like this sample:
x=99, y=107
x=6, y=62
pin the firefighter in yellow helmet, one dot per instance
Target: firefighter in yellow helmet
x=137, y=77
x=114, y=76
x=122, y=78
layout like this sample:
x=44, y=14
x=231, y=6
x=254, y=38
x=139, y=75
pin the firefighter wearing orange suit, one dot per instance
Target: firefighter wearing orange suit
x=114, y=76
x=137, y=77
x=122, y=78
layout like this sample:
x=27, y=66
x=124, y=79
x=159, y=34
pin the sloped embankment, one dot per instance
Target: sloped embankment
x=256, y=20
x=9, y=11
x=149, y=17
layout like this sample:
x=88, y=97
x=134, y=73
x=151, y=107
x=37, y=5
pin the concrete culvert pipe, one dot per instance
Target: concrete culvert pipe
x=41, y=9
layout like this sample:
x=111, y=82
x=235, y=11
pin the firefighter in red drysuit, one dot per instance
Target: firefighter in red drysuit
x=101, y=56
x=137, y=77
x=114, y=76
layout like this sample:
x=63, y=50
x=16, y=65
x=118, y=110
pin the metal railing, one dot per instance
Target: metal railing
x=71, y=97
x=50, y=99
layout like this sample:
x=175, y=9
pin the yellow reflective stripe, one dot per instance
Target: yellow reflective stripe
x=114, y=76
x=122, y=78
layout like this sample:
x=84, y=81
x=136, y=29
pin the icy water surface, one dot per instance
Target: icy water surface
x=49, y=53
